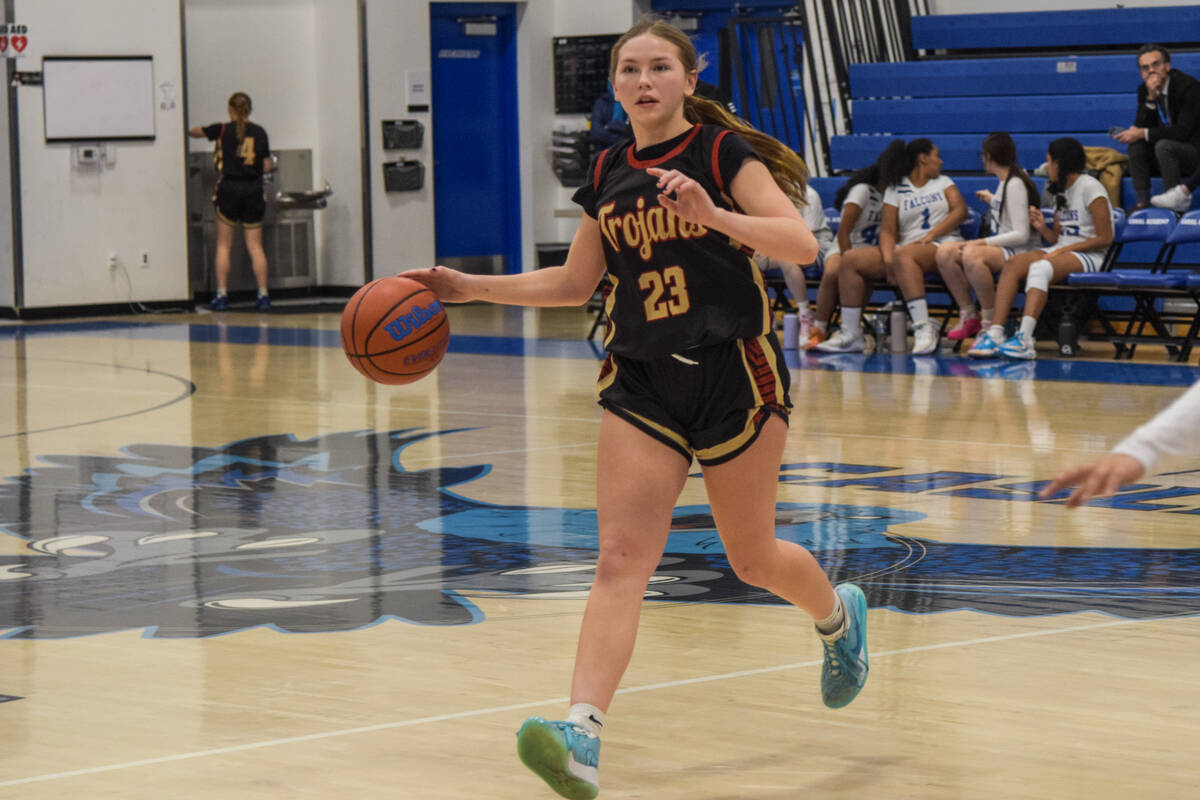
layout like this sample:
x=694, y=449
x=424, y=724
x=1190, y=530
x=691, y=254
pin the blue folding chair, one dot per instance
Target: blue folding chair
x=1146, y=225
x=1147, y=286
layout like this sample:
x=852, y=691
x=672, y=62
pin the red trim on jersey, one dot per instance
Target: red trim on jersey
x=676, y=150
x=764, y=376
x=599, y=163
x=716, y=164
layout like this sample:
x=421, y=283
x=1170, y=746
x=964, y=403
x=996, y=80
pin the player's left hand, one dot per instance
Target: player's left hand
x=690, y=202
x=1100, y=478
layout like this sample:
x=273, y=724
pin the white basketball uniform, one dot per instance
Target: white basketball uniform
x=1010, y=226
x=866, y=227
x=921, y=209
x=1076, y=223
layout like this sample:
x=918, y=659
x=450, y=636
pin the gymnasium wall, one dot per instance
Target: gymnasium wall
x=299, y=62
x=73, y=217
x=398, y=45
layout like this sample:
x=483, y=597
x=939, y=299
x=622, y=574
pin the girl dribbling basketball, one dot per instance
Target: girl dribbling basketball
x=693, y=370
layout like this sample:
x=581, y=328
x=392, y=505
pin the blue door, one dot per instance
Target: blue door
x=476, y=176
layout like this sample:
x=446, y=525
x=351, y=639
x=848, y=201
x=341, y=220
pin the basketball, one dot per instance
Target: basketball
x=394, y=330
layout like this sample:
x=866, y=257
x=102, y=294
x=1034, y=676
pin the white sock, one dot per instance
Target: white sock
x=918, y=310
x=1027, y=326
x=996, y=332
x=966, y=312
x=262, y=292
x=988, y=315
x=832, y=623
x=220, y=292
x=819, y=325
x=852, y=321
x=588, y=717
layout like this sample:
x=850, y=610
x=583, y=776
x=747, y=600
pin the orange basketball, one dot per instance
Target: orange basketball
x=394, y=330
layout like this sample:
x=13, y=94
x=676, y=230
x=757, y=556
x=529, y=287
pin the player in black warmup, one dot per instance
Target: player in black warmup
x=693, y=370
x=243, y=156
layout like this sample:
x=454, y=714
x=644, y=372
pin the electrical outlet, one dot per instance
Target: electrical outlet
x=112, y=259
x=145, y=259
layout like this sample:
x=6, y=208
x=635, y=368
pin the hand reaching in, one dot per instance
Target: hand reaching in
x=1099, y=478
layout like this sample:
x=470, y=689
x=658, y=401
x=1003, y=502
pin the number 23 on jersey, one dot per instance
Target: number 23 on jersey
x=666, y=293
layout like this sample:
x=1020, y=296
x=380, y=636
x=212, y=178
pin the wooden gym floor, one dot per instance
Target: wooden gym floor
x=230, y=567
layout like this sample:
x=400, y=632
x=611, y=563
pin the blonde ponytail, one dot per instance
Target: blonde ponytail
x=786, y=167
x=239, y=104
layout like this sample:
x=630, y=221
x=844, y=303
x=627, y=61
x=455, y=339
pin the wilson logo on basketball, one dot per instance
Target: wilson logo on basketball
x=400, y=328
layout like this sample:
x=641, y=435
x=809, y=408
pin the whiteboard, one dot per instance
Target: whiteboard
x=98, y=98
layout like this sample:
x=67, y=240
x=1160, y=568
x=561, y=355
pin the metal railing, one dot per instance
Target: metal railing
x=791, y=72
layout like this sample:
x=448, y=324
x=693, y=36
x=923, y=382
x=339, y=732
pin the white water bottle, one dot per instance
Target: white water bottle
x=899, y=326
x=791, y=332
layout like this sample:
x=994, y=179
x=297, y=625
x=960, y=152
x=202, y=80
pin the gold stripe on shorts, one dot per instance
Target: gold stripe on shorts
x=665, y=432
x=749, y=431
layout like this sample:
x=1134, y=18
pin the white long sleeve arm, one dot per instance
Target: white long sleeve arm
x=1016, y=217
x=1174, y=431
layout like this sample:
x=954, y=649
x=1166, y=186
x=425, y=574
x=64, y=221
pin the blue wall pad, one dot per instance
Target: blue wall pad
x=1108, y=26
x=1007, y=76
x=1036, y=114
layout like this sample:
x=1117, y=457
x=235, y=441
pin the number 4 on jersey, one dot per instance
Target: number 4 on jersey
x=247, y=151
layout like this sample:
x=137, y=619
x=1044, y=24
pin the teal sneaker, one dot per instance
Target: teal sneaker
x=844, y=672
x=1019, y=346
x=984, y=347
x=562, y=754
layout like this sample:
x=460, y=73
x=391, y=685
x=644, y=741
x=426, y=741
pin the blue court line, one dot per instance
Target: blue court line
x=1050, y=369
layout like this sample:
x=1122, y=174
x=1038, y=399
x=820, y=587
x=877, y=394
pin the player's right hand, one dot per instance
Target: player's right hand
x=1100, y=478
x=450, y=285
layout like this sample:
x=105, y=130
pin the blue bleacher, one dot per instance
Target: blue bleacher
x=1057, y=29
x=1069, y=74
x=1032, y=114
x=1037, y=98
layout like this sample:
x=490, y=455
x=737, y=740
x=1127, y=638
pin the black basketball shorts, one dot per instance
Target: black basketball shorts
x=240, y=201
x=707, y=402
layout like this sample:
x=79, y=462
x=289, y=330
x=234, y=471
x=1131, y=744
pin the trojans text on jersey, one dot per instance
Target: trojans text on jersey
x=642, y=229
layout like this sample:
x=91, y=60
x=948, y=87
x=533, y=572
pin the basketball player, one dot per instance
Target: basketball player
x=974, y=264
x=860, y=202
x=1082, y=232
x=242, y=156
x=694, y=370
x=1175, y=431
x=922, y=208
x=813, y=213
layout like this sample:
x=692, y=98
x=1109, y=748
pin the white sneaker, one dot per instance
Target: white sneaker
x=925, y=338
x=1177, y=198
x=843, y=342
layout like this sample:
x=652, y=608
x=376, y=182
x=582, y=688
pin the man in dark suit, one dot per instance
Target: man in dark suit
x=1165, y=137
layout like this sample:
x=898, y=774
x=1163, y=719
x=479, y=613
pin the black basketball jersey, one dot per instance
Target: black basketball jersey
x=236, y=159
x=676, y=285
